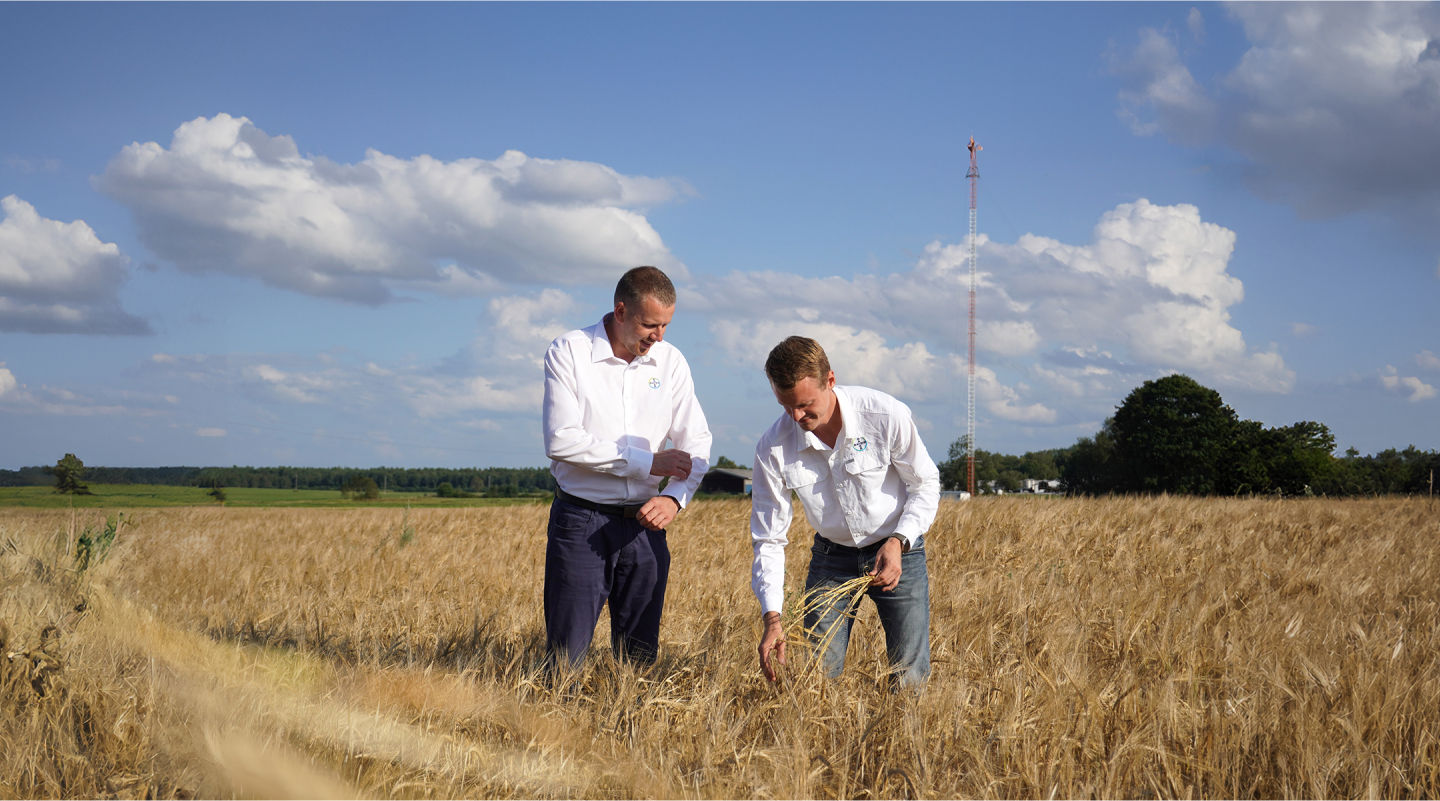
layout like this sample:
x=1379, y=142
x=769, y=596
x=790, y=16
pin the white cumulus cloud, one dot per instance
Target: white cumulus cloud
x=909, y=371
x=7, y=381
x=1418, y=390
x=499, y=372
x=521, y=327
x=227, y=196
x=1151, y=293
x=1007, y=403
x=1007, y=337
x=59, y=278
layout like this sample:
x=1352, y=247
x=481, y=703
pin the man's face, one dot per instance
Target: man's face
x=809, y=403
x=636, y=330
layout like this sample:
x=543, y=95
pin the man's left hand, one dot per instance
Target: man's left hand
x=886, y=574
x=657, y=512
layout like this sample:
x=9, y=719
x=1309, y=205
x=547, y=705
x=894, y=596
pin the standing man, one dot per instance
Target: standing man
x=871, y=491
x=615, y=394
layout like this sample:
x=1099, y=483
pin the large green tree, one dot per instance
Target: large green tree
x=68, y=472
x=1302, y=458
x=1174, y=435
x=1090, y=466
x=955, y=471
x=954, y=474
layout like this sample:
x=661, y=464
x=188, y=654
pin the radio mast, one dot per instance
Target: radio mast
x=974, y=176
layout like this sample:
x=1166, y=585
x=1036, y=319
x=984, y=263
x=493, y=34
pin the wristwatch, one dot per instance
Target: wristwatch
x=904, y=543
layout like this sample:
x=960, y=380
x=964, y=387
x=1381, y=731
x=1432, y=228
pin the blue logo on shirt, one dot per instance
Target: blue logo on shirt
x=654, y=383
x=860, y=445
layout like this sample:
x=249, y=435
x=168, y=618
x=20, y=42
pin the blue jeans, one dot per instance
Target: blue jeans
x=904, y=611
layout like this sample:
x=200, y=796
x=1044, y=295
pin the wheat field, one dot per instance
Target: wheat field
x=1136, y=648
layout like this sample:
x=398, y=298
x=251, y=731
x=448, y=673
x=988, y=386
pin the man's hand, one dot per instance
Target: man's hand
x=886, y=574
x=671, y=462
x=657, y=512
x=772, y=641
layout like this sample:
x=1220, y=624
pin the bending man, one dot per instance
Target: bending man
x=870, y=490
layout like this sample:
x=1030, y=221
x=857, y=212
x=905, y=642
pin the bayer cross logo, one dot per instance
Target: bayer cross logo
x=860, y=445
x=654, y=383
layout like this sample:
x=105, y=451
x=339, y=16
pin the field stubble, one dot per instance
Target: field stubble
x=1160, y=647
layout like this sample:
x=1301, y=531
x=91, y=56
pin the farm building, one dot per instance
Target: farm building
x=731, y=480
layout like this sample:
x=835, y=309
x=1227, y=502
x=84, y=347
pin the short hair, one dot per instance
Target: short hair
x=639, y=282
x=795, y=359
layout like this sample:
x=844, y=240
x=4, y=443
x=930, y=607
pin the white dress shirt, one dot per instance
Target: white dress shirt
x=877, y=482
x=605, y=418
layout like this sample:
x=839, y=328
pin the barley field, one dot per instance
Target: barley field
x=1117, y=648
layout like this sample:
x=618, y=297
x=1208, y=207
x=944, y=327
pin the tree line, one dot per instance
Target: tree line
x=1170, y=435
x=486, y=482
x=1176, y=436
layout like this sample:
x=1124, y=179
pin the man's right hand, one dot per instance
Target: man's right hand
x=671, y=462
x=772, y=641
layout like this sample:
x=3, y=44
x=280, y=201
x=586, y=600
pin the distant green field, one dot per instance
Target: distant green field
x=143, y=495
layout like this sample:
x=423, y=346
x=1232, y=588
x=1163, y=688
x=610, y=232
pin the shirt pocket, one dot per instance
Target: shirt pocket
x=808, y=474
x=872, y=459
x=800, y=476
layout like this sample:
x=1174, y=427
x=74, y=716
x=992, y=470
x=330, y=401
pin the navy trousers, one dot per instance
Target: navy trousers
x=592, y=558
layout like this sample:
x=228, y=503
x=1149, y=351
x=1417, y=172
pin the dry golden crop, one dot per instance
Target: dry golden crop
x=1157, y=647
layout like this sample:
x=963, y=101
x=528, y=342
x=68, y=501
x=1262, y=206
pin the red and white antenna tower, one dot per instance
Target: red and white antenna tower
x=974, y=176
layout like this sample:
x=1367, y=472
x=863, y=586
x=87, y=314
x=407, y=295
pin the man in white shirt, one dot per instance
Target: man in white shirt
x=615, y=394
x=869, y=488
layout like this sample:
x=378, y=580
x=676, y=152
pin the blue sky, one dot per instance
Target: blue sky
x=343, y=234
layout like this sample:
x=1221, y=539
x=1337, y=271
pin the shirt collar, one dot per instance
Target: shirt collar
x=847, y=421
x=601, y=349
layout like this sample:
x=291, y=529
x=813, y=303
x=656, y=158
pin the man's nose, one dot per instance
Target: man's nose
x=797, y=414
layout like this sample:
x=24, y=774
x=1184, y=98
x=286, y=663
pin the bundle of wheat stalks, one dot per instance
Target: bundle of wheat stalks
x=1159, y=647
x=813, y=641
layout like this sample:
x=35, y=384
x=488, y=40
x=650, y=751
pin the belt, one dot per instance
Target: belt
x=830, y=546
x=613, y=510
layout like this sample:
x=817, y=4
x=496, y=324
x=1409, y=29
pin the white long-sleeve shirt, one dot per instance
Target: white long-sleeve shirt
x=878, y=481
x=604, y=419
